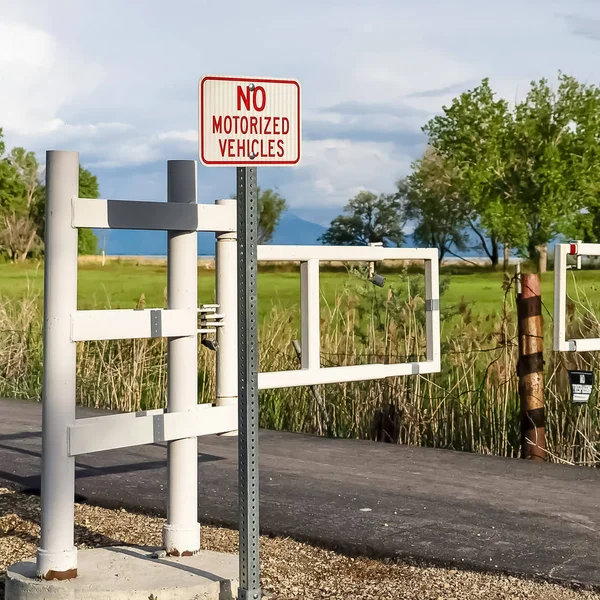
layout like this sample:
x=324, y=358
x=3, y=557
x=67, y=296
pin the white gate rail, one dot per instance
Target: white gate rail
x=561, y=343
x=311, y=372
x=64, y=436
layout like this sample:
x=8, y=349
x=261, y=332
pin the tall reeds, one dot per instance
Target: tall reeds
x=471, y=405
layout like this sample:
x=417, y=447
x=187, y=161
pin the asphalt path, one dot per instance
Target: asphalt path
x=359, y=497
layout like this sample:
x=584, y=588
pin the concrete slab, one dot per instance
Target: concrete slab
x=131, y=573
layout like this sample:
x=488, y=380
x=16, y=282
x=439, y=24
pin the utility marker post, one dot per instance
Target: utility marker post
x=530, y=368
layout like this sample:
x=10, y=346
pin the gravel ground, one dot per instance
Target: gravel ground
x=290, y=570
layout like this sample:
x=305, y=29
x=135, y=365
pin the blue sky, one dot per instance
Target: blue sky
x=117, y=79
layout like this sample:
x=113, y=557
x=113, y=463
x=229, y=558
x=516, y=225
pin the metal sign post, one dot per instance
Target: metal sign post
x=247, y=219
x=245, y=122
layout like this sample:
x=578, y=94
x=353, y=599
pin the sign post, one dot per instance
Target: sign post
x=247, y=220
x=244, y=123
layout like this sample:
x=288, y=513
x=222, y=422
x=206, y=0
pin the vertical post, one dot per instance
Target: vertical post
x=226, y=298
x=530, y=368
x=310, y=315
x=432, y=310
x=247, y=217
x=57, y=555
x=181, y=532
x=560, y=296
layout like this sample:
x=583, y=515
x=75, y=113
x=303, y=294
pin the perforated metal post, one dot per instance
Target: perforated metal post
x=247, y=216
x=57, y=555
x=181, y=532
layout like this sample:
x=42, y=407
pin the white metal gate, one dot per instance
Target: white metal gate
x=64, y=437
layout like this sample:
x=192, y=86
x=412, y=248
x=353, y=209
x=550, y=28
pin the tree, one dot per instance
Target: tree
x=368, y=218
x=17, y=236
x=527, y=173
x=555, y=160
x=270, y=207
x=12, y=189
x=472, y=136
x=17, y=229
x=87, y=242
x=432, y=201
x=27, y=169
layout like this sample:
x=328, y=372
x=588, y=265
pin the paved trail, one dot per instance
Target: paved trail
x=446, y=507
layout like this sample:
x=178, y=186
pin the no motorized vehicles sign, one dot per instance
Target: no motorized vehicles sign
x=249, y=122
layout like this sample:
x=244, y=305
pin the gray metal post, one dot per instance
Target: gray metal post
x=57, y=555
x=181, y=532
x=247, y=218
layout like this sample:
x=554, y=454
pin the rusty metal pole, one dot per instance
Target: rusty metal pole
x=530, y=368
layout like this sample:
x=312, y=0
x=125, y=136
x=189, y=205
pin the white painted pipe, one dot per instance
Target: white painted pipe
x=181, y=532
x=57, y=555
x=310, y=310
x=226, y=298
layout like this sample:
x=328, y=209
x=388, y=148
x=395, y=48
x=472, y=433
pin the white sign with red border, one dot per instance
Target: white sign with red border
x=248, y=121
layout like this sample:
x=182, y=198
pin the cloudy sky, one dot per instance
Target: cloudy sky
x=117, y=80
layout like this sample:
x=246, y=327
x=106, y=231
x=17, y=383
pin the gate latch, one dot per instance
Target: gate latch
x=209, y=321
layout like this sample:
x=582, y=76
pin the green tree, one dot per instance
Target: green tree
x=472, y=136
x=527, y=173
x=434, y=204
x=368, y=218
x=27, y=168
x=87, y=242
x=555, y=160
x=12, y=189
x=18, y=234
x=270, y=207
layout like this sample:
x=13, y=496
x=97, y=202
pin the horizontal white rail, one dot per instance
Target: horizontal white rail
x=134, y=429
x=311, y=372
x=583, y=249
x=88, y=325
x=584, y=345
x=344, y=253
x=161, y=216
x=286, y=379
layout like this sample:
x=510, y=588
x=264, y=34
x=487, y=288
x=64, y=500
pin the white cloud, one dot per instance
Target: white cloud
x=118, y=80
x=39, y=78
x=341, y=168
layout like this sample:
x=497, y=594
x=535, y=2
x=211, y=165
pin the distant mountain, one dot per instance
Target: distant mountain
x=294, y=231
x=119, y=242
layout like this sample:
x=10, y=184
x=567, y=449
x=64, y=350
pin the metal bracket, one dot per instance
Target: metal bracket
x=210, y=321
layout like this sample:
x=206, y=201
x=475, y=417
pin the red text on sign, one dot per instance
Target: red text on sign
x=244, y=96
x=250, y=125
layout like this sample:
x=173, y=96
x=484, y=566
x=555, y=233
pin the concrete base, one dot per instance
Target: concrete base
x=131, y=573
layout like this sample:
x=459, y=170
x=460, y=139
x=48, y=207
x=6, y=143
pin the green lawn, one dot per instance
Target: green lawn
x=120, y=285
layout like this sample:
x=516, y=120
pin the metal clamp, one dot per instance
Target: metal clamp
x=210, y=320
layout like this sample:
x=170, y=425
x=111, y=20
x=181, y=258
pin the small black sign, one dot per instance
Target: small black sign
x=582, y=383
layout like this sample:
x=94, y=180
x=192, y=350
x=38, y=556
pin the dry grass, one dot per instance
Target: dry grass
x=471, y=405
x=290, y=570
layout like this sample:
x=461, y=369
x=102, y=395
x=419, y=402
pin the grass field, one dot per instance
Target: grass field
x=120, y=285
